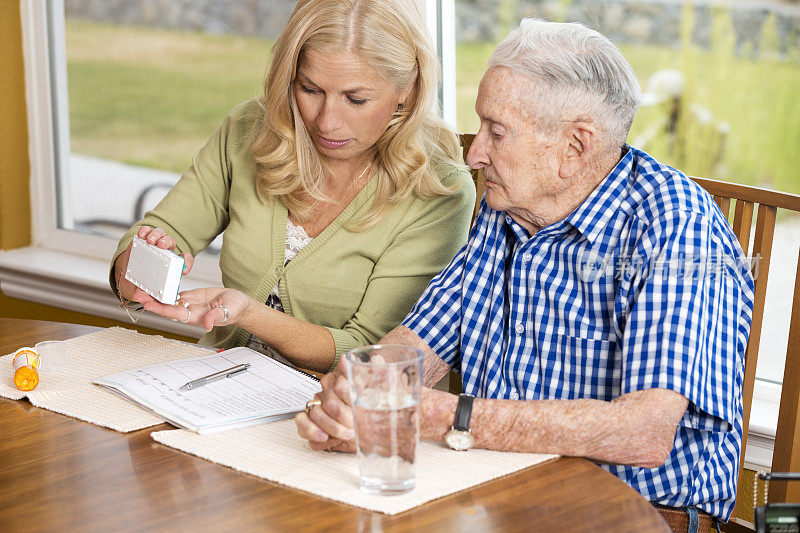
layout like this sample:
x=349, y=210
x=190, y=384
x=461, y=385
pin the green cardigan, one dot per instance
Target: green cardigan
x=357, y=284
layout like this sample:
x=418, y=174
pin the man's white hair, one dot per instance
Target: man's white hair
x=578, y=74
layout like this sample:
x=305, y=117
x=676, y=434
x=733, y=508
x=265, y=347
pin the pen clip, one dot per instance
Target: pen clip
x=245, y=367
x=228, y=372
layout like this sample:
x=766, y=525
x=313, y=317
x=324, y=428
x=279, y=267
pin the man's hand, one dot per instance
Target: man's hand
x=330, y=426
x=156, y=237
x=438, y=411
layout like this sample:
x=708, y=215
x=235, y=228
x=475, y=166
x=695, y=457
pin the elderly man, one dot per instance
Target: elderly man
x=601, y=307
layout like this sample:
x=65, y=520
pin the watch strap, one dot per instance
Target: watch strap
x=463, y=412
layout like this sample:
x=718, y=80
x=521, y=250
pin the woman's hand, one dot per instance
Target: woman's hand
x=329, y=426
x=156, y=237
x=206, y=307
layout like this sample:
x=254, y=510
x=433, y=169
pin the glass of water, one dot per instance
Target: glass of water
x=385, y=391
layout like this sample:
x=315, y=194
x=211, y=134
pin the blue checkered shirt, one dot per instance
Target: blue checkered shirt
x=642, y=286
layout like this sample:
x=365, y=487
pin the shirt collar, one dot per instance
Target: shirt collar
x=594, y=213
x=520, y=233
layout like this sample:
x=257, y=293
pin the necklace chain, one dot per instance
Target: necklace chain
x=349, y=187
x=353, y=183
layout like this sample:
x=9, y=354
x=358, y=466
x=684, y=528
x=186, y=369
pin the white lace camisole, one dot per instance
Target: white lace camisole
x=296, y=240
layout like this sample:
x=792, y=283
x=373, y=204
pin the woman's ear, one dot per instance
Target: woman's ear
x=401, y=98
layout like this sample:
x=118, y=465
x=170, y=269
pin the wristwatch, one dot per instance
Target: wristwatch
x=459, y=437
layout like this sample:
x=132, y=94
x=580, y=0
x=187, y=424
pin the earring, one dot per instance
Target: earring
x=400, y=106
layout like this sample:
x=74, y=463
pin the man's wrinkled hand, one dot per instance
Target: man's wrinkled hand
x=329, y=426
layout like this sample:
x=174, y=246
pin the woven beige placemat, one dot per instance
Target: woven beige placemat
x=90, y=357
x=275, y=451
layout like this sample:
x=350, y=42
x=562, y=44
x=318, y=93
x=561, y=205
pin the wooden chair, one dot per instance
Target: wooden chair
x=746, y=201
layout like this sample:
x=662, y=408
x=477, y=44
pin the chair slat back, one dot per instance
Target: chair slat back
x=742, y=223
x=762, y=255
x=724, y=204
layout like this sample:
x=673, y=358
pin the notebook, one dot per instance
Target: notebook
x=267, y=390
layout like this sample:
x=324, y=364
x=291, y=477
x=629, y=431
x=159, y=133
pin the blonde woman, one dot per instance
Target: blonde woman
x=339, y=191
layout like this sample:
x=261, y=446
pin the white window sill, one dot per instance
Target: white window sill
x=78, y=283
x=763, y=422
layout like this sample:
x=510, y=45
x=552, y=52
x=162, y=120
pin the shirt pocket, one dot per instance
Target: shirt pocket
x=582, y=367
x=695, y=418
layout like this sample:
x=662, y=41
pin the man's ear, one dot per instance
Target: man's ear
x=580, y=139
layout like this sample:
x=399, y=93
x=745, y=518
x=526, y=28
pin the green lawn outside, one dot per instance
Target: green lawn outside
x=152, y=97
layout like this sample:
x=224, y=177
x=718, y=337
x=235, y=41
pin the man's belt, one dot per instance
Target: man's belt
x=678, y=519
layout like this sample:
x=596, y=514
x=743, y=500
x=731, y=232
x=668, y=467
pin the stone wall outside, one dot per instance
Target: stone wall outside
x=263, y=18
x=656, y=22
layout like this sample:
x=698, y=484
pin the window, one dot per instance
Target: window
x=120, y=95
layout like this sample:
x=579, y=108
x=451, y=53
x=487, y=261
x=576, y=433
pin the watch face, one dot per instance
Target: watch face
x=459, y=440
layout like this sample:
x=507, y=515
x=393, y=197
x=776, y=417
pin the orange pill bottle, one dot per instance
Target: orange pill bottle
x=26, y=369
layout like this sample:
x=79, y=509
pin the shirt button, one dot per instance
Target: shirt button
x=527, y=257
x=277, y=270
x=519, y=328
x=514, y=395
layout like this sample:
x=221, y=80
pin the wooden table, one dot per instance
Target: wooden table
x=62, y=474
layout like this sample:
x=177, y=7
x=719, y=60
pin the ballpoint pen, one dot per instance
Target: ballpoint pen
x=228, y=372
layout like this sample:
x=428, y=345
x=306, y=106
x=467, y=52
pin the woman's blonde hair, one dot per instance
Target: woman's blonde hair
x=390, y=36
